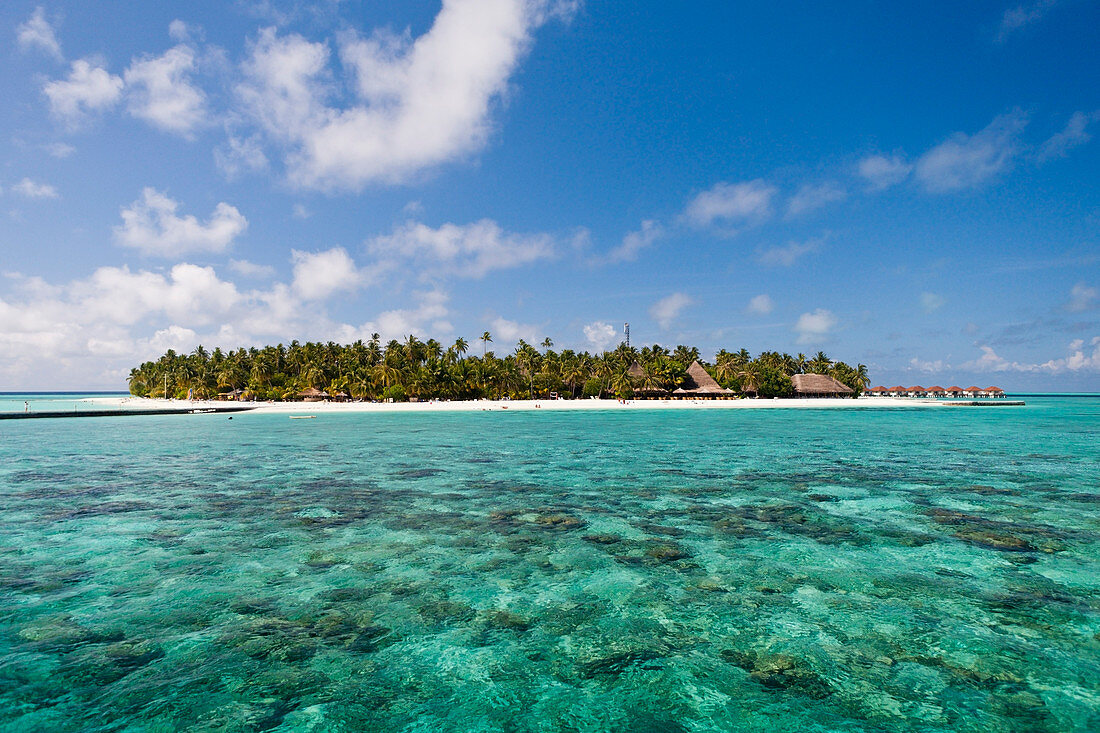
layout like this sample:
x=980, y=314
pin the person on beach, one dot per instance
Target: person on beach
x=26, y=406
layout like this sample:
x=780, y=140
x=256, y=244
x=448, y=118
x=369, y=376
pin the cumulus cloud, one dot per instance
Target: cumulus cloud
x=38, y=33
x=417, y=102
x=930, y=366
x=731, y=204
x=930, y=302
x=152, y=226
x=89, y=89
x=761, y=305
x=1081, y=298
x=634, y=242
x=317, y=275
x=251, y=269
x=240, y=155
x=1073, y=134
x=815, y=196
x=159, y=91
x=426, y=319
x=785, y=256
x=506, y=332
x=666, y=310
x=966, y=161
x=814, y=327
x=1021, y=16
x=32, y=190
x=600, y=336
x=470, y=250
x=882, y=172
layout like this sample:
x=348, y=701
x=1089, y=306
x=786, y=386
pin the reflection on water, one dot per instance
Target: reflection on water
x=738, y=570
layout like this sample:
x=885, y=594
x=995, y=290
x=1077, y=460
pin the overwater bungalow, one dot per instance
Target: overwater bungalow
x=819, y=385
x=972, y=391
x=878, y=391
x=936, y=391
x=698, y=384
x=917, y=391
x=899, y=391
x=994, y=392
x=953, y=392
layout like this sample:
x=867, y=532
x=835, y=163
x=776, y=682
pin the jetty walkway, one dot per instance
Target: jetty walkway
x=121, y=413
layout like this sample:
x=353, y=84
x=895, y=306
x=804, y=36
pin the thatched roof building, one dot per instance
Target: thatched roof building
x=819, y=385
x=697, y=383
x=638, y=376
x=313, y=394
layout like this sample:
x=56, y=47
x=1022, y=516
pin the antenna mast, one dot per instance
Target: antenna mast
x=626, y=330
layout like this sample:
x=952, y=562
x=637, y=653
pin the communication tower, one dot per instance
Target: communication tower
x=626, y=330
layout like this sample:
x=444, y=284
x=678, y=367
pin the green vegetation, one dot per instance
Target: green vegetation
x=426, y=370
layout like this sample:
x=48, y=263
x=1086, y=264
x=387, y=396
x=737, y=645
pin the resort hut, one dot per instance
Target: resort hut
x=313, y=395
x=916, y=391
x=954, y=391
x=819, y=385
x=995, y=392
x=697, y=383
x=341, y=396
x=898, y=391
x=936, y=391
x=972, y=391
x=878, y=391
x=231, y=395
x=638, y=376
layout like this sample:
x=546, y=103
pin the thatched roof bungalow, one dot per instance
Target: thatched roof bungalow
x=697, y=383
x=313, y=395
x=638, y=376
x=819, y=385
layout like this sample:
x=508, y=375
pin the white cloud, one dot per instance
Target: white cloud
x=1079, y=359
x=33, y=190
x=931, y=367
x=151, y=225
x=37, y=32
x=299, y=211
x=251, y=269
x=1022, y=15
x=1073, y=134
x=882, y=172
x=668, y=309
x=1081, y=298
x=506, y=332
x=418, y=102
x=426, y=319
x=634, y=242
x=60, y=150
x=814, y=196
x=786, y=256
x=731, y=204
x=600, y=336
x=88, y=89
x=317, y=275
x=814, y=327
x=161, y=93
x=240, y=155
x=930, y=302
x=761, y=305
x=965, y=161
x=471, y=250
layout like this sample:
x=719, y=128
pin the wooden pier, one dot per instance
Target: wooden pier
x=121, y=413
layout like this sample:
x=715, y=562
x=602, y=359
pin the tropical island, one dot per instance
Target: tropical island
x=416, y=370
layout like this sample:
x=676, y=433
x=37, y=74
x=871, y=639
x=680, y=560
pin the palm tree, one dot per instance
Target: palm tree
x=460, y=346
x=486, y=338
x=547, y=343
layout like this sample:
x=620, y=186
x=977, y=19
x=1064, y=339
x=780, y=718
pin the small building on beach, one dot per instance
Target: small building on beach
x=936, y=391
x=638, y=376
x=697, y=383
x=313, y=394
x=819, y=385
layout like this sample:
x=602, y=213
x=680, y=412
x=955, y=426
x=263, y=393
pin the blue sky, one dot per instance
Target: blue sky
x=913, y=187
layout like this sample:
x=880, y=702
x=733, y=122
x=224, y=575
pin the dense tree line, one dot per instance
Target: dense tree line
x=423, y=370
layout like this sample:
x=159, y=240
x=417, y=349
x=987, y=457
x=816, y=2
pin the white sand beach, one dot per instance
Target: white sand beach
x=317, y=408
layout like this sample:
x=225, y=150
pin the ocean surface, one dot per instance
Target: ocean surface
x=742, y=570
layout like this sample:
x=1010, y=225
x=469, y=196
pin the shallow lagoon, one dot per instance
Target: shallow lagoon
x=711, y=570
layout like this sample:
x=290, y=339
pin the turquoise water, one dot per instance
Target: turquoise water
x=771, y=570
x=57, y=401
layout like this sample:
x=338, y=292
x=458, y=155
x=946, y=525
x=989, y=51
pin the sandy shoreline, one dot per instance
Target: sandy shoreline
x=316, y=408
